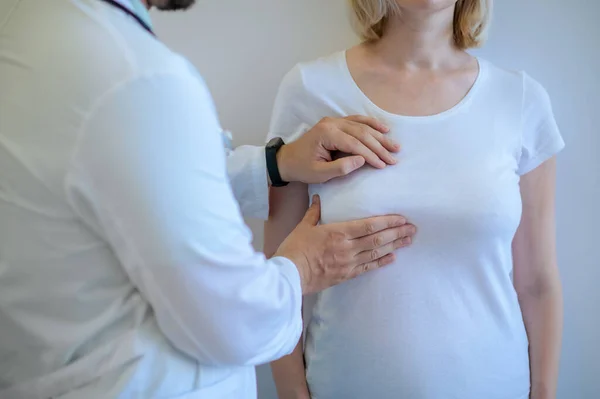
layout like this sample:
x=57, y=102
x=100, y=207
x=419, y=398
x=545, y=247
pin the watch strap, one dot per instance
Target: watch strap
x=271, y=151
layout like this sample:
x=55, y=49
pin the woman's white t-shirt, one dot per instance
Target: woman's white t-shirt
x=444, y=320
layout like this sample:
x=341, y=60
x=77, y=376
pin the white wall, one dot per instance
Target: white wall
x=243, y=48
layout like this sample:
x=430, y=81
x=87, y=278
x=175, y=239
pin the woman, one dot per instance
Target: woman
x=473, y=309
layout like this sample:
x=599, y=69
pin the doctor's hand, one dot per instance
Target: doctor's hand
x=327, y=255
x=309, y=159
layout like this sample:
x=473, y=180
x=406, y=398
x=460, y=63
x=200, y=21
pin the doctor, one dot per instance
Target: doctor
x=126, y=270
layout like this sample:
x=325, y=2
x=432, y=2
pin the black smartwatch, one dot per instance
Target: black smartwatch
x=273, y=146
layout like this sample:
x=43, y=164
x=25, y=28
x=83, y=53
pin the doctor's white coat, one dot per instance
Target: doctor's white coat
x=126, y=270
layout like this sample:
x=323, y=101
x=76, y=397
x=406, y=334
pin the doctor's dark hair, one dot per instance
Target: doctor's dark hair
x=471, y=19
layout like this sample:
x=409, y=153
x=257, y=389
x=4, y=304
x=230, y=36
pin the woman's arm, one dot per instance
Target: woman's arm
x=287, y=208
x=290, y=376
x=537, y=280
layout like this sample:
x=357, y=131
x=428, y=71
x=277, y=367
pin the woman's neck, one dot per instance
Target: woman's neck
x=419, y=40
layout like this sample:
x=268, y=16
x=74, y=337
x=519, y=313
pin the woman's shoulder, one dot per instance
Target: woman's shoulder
x=309, y=92
x=513, y=81
x=500, y=76
x=511, y=84
x=316, y=77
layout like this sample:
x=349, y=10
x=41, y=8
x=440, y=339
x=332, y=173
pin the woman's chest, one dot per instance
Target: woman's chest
x=453, y=176
x=422, y=93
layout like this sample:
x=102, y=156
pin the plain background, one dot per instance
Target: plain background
x=244, y=47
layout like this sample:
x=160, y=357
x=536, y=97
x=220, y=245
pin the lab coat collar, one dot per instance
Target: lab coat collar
x=138, y=8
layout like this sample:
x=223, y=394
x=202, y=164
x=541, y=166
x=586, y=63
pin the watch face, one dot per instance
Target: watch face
x=275, y=142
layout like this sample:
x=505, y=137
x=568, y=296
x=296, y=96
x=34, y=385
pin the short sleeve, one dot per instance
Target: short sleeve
x=541, y=138
x=290, y=113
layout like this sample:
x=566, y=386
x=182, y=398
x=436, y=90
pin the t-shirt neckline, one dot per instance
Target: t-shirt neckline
x=464, y=102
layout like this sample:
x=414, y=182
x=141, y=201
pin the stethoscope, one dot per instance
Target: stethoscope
x=127, y=11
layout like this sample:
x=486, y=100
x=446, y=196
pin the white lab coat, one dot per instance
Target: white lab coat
x=126, y=270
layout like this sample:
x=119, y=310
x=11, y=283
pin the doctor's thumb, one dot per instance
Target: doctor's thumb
x=313, y=215
x=341, y=167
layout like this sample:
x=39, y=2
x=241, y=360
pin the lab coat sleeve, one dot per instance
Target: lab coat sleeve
x=149, y=175
x=247, y=171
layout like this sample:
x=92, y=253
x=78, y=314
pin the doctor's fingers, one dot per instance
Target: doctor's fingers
x=369, y=121
x=367, y=227
x=359, y=140
x=381, y=144
x=375, y=246
x=370, y=266
x=384, y=139
x=343, y=139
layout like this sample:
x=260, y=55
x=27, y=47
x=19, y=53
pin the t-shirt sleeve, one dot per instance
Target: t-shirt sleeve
x=540, y=136
x=291, y=111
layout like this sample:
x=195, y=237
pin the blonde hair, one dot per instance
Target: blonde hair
x=471, y=19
